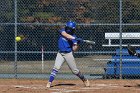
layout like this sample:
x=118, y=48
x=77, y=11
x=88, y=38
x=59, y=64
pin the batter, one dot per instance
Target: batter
x=67, y=44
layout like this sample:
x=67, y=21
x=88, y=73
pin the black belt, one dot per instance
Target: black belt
x=64, y=51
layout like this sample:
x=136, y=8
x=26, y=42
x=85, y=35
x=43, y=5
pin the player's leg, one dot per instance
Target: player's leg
x=72, y=65
x=58, y=63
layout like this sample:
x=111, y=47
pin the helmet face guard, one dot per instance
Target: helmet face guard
x=69, y=30
x=71, y=24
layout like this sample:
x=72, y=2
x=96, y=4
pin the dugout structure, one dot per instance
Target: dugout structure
x=130, y=66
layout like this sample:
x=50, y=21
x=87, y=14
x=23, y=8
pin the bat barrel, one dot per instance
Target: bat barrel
x=88, y=41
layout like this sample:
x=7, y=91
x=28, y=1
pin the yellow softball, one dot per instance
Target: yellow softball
x=18, y=38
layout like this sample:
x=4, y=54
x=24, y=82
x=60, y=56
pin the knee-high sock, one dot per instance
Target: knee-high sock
x=81, y=76
x=53, y=74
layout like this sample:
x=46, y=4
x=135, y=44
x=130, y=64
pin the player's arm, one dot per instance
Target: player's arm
x=67, y=35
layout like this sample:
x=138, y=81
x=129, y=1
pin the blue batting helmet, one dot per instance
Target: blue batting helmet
x=71, y=24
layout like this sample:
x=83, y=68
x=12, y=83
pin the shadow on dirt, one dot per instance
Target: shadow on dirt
x=68, y=84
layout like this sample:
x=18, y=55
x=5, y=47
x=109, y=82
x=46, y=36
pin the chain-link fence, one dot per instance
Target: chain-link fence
x=112, y=24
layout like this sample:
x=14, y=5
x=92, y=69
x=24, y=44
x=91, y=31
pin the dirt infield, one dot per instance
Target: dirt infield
x=68, y=86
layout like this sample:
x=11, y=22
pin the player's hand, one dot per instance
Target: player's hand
x=75, y=48
x=79, y=40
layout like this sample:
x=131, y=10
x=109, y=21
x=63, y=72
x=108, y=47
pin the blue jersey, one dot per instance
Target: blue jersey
x=65, y=44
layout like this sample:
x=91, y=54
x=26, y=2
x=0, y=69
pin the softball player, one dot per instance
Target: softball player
x=67, y=44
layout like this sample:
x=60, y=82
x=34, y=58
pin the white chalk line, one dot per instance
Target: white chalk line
x=43, y=87
x=30, y=86
x=58, y=90
x=106, y=85
x=68, y=91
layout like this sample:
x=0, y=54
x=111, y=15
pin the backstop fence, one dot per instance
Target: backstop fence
x=112, y=24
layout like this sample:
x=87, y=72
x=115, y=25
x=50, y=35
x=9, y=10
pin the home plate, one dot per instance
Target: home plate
x=20, y=86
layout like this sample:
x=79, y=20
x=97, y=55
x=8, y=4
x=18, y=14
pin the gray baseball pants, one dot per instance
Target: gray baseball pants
x=69, y=58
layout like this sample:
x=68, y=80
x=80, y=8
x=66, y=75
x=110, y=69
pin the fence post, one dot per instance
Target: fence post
x=120, y=28
x=15, y=63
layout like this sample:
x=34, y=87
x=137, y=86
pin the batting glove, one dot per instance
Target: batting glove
x=79, y=39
